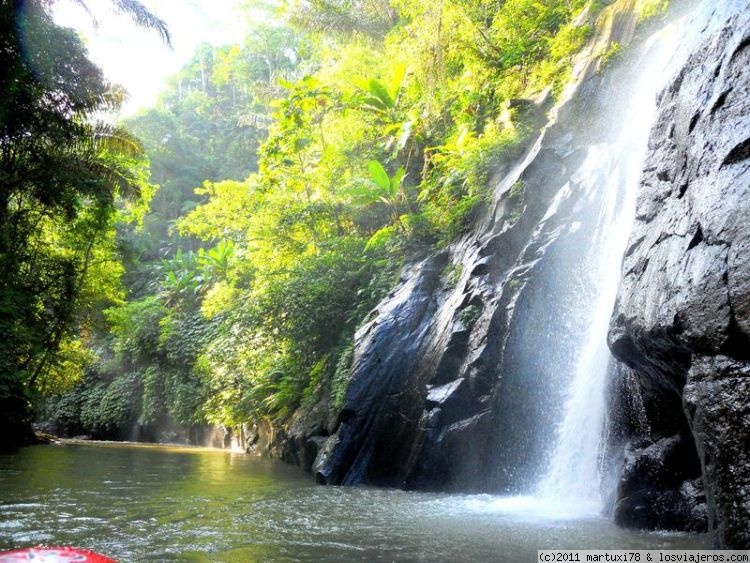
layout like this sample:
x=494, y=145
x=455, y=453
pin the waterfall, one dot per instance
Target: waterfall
x=609, y=176
x=572, y=481
x=574, y=466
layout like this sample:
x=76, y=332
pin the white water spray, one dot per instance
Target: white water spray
x=574, y=471
x=573, y=476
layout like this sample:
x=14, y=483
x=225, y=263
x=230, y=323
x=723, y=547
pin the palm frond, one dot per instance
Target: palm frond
x=82, y=4
x=116, y=140
x=344, y=17
x=143, y=17
x=137, y=12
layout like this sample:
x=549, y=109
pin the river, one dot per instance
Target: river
x=161, y=503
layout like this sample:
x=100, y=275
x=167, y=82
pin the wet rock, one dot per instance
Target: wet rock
x=44, y=438
x=659, y=489
x=307, y=432
x=320, y=467
x=717, y=400
x=682, y=316
x=683, y=509
x=48, y=427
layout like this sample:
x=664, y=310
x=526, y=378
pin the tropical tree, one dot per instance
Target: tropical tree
x=61, y=177
x=369, y=18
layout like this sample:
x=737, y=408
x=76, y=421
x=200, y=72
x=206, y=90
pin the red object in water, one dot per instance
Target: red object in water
x=53, y=555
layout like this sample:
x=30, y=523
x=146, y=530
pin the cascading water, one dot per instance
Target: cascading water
x=574, y=471
x=610, y=177
x=559, y=360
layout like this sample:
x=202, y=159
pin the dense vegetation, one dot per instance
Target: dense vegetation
x=65, y=179
x=296, y=174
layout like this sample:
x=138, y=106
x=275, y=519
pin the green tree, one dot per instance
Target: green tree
x=61, y=176
x=206, y=126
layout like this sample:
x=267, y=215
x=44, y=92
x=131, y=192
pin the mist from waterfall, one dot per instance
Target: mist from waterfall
x=574, y=467
x=610, y=176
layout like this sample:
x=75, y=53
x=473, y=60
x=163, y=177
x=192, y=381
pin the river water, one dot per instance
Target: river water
x=160, y=503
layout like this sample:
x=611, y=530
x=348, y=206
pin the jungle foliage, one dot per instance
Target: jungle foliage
x=297, y=173
x=65, y=179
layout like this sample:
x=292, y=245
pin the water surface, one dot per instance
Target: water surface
x=157, y=503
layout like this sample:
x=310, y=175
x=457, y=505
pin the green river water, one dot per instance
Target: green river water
x=159, y=503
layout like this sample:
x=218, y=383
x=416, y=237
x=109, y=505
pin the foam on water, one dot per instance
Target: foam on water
x=530, y=508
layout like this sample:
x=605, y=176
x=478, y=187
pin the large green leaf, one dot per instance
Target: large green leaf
x=379, y=176
x=381, y=92
x=375, y=104
x=405, y=131
x=398, y=80
x=396, y=180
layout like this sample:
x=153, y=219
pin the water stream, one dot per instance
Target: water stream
x=574, y=468
x=610, y=176
x=157, y=503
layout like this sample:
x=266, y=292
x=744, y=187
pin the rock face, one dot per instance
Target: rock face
x=682, y=319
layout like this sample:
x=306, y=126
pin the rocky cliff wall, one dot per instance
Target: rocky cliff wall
x=682, y=319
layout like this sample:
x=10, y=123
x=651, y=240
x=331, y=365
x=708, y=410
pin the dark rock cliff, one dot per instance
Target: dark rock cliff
x=682, y=319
